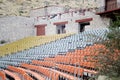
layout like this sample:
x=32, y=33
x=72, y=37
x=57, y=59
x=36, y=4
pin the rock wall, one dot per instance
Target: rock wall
x=14, y=28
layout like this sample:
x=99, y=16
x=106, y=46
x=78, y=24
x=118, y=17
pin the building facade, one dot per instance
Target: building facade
x=109, y=9
x=50, y=20
x=58, y=20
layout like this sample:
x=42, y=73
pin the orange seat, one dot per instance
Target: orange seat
x=21, y=72
x=54, y=75
x=40, y=69
x=2, y=75
x=15, y=76
x=44, y=63
x=36, y=75
x=80, y=71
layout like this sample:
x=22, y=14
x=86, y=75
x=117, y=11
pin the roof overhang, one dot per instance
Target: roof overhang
x=84, y=20
x=60, y=23
x=39, y=25
x=109, y=11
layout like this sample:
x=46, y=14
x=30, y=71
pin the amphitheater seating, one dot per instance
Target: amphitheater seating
x=54, y=74
x=21, y=72
x=2, y=75
x=59, y=59
x=13, y=75
x=28, y=43
x=32, y=73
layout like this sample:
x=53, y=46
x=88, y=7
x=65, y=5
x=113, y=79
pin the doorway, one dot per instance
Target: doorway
x=40, y=30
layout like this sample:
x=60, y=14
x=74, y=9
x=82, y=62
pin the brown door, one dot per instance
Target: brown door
x=40, y=30
x=111, y=4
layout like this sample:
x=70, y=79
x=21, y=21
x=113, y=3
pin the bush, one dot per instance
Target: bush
x=109, y=58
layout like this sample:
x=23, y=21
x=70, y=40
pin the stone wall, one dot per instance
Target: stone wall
x=15, y=28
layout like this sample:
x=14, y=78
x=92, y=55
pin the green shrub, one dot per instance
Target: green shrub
x=111, y=64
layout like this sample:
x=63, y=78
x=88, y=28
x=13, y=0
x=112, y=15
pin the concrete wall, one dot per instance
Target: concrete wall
x=15, y=28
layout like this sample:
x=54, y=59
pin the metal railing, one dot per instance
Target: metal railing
x=109, y=7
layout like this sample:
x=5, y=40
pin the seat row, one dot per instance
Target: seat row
x=28, y=43
x=17, y=73
x=70, y=64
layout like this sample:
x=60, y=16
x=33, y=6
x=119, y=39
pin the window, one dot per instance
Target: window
x=60, y=29
x=82, y=26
